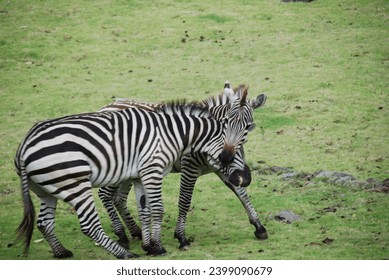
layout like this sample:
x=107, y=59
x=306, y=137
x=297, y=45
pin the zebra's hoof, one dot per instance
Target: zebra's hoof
x=146, y=248
x=123, y=241
x=261, y=235
x=184, y=245
x=64, y=254
x=161, y=252
x=155, y=251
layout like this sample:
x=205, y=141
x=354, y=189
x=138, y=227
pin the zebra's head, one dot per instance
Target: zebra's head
x=237, y=173
x=237, y=123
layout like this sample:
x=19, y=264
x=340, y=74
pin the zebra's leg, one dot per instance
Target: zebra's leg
x=120, y=201
x=260, y=230
x=89, y=218
x=45, y=224
x=187, y=183
x=156, y=213
x=107, y=196
x=150, y=206
x=144, y=215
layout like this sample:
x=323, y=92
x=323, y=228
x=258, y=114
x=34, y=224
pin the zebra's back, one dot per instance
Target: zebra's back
x=105, y=147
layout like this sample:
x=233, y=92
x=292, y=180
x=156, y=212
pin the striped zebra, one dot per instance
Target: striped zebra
x=64, y=158
x=191, y=166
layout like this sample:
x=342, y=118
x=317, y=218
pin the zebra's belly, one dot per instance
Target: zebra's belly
x=113, y=177
x=98, y=180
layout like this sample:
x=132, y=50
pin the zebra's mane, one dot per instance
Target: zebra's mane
x=137, y=102
x=182, y=107
x=217, y=100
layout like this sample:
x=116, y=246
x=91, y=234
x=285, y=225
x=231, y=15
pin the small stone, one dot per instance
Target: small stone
x=287, y=216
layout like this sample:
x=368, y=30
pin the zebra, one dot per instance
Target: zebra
x=64, y=158
x=191, y=166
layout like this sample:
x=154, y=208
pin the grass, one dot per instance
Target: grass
x=323, y=65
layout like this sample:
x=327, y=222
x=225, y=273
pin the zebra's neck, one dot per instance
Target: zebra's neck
x=189, y=134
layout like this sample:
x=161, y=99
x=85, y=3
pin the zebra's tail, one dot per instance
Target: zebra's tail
x=26, y=227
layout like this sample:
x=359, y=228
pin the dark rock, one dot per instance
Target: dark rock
x=336, y=177
x=287, y=216
x=333, y=177
x=382, y=187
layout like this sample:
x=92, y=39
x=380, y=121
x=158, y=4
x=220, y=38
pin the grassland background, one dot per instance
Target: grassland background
x=323, y=65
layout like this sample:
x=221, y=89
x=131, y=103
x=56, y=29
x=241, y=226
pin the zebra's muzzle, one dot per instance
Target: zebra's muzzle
x=227, y=155
x=241, y=178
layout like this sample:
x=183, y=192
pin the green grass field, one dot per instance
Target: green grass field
x=323, y=65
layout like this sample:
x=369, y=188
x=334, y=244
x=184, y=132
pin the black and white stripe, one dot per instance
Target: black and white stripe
x=65, y=157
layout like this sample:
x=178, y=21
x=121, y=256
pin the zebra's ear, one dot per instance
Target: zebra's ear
x=228, y=92
x=243, y=99
x=259, y=101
